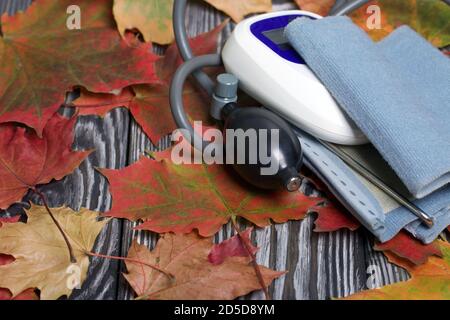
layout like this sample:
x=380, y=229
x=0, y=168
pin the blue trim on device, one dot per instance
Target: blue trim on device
x=287, y=52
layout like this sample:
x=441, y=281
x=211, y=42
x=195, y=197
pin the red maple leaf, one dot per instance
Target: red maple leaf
x=232, y=247
x=27, y=160
x=181, y=198
x=9, y=220
x=332, y=216
x=42, y=58
x=405, y=246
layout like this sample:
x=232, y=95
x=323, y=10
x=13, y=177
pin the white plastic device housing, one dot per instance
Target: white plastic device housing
x=287, y=88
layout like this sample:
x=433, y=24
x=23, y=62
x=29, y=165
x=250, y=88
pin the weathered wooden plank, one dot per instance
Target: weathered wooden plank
x=138, y=145
x=87, y=188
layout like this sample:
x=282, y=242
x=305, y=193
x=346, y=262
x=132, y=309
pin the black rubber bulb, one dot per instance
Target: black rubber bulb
x=287, y=151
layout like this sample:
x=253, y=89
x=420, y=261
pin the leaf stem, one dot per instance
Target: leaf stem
x=69, y=246
x=166, y=273
x=253, y=258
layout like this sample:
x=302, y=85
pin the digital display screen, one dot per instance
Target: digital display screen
x=277, y=37
x=270, y=32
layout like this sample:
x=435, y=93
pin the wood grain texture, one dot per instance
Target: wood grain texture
x=88, y=188
x=320, y=265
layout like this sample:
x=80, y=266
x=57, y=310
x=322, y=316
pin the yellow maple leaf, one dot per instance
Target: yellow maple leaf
x=41, y=257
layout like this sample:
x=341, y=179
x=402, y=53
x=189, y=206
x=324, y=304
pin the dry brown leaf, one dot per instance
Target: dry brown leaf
x=321, y=7
x=186, y=257
x=41, y=256
x=238, y=9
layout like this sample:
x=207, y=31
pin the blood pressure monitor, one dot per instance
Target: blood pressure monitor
x=273, y=73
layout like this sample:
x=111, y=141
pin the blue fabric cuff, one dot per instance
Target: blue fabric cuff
x=396, y=92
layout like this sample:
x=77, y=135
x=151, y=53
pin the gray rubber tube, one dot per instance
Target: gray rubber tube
x=181, y=37
x=348, y=7
x=176, y=94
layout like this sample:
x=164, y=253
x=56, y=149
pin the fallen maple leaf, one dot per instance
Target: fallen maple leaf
x=181, y=198
x=100, y=104
x=27, y=160
x=404, y=246
x=430, y=281
x=331, y=216
x=153, y=18
x=399, y=261
x=43, y=58
x=232, y=247
x=321, y=7
x=238, y=9
x=40, y=252
x=149, y=104
x=195, y=278
x=428, y=17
